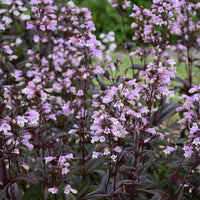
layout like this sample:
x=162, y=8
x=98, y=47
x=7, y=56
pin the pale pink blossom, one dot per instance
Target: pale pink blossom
x=168, y=150
x=53, y=190
x=68, y=189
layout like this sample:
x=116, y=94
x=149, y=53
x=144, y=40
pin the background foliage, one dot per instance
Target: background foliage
x=106, y=18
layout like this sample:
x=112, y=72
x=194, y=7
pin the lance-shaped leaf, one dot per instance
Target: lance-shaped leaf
x=84, y=187
x=96, y=194
x=3, y=192
x=134, y=66
x=30, y=178
x=165, y=112
x=185, y=83
x=105, y=180
x=128, y=45
x=179, y=194
x=101, y=83
x=155, y=192
x=94, y=163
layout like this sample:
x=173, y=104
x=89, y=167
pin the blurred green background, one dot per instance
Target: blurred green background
x=107, y=18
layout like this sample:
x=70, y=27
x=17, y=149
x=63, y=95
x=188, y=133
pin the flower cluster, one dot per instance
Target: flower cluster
x=49, y=87
x=190, y=122
x=68, y=114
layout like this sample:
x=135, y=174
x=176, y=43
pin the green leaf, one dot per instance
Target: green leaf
x=3, y=193
x=16, y=190
x=101, y=173
x=179, y=194
x=60, y=134
x=134, y=66
x=156, y=197
x=101, y=83
x=105, y=180
x=95, y=194
x=30, y=178
x=34, y=193
x=46, y=193
x=83, y=188
x=184, y=82
x=166, y=111
x=94, y=163
x=154, y=192
x=70, y=196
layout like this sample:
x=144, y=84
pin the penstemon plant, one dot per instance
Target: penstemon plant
x=75, y=126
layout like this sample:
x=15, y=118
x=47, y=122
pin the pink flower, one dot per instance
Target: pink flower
x=12, y=57
x=5, y=127
x=36, y=38
x=2, y=26
x=65, y=109
x=29, y=91
x=26, y=142
x=151, y=130
x=102, y=139
x=194, y=128
x=113, y=3
x=131, y=82
x=95, y=154
x=171, y=62
x=53, y=190
x=117, y=149
x=7, y=49
x=30, y=25
x=98, y=70
x=107, y=131
x=53, y=117
x=21, y=120
x=49, y=159
x=70, y=4
x=136, y=8
x=49, y=9
x=68, y=189
x=52, y=25
x=35, y=2
x=156, y=1
x=126, y=4
x=80, y=93
x=33, y=117
x=65, y=170
x=34, y=9
x=118, y=104
x=42, y=27
x=69, y=156
x=48, y=1
x=61, y=160
x=181, y=47
x=194, y=89
x=17, y=74
x=107, y=99
x=188, y=153
x=144, y=110
x=168, y=150
x=196, y=141
x=95, y=139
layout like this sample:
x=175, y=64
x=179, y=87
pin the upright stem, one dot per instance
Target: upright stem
x=83, y=123
x=84, y=119
x=173, y=179
x=2, y=162
x=10, y=178
x=183, y=183
x=126, y=38
x=115, y=180
x=189, y=66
